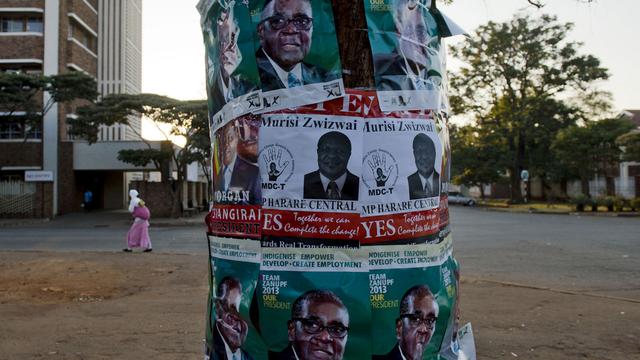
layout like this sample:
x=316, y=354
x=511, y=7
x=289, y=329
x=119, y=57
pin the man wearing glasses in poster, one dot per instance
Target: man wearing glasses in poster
x=230, y=330
x=285, y=31
x=318, y=328
x=415, y=325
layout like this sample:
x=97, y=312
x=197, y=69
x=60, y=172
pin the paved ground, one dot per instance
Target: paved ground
x=104, y=231
x=595, y=255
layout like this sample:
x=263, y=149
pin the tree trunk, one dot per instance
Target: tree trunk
x=611, y=185
x=563, y=188
x=176, y=201
x=584, y=182
x=482, y=195
x=353, y=41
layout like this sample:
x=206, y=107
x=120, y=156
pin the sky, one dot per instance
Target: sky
x=173, y=51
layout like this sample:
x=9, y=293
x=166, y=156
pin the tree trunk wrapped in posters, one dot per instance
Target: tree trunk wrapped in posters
x=329, y=231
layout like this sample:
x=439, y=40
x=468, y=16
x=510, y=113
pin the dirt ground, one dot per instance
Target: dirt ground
x=152, y=306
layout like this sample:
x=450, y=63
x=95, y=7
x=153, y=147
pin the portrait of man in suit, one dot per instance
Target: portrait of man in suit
x=318, y=329
x=415, y=325
x=409, y=65
x=230, y=330
x=285, y=31
x=225, y=85
x=236, y=175
x=332, y=180
x=425, y=182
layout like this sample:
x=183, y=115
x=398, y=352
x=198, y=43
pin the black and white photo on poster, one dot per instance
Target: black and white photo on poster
x=405, y=174
x=321, y=161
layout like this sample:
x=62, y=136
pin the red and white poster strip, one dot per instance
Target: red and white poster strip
x=235, y=221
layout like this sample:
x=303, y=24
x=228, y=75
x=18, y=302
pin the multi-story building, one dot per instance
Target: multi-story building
x=101, y=38
x=120, y=58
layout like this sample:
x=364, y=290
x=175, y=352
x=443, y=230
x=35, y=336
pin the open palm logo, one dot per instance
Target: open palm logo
x=276, y=163
x=382, y=171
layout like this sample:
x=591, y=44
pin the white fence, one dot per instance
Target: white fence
x=16, y=198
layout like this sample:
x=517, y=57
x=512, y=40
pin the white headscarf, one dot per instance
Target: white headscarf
x=135, y=200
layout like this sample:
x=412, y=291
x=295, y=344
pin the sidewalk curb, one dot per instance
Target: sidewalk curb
x=22, y=222
x=574, y=213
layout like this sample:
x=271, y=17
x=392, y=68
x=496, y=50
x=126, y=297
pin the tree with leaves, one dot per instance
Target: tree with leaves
x=186, y=119
x=514, y=71
x=21, y=96
x=630, y=144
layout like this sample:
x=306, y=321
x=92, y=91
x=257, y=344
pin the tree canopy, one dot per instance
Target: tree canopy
x=21, y=98
x=630, y=144
x=186, y=119
x=515, y=82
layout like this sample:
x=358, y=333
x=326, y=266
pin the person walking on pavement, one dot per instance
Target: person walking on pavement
x=87, y=200
x=138, y=235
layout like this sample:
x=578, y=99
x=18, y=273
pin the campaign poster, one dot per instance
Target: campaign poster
x=405, y=38
x=401, y=174
x=233, y=84
x=314, y=302
x=235, y=266
x=296, y=51
x=310, y=162
x=413, y=291
x=237, y=194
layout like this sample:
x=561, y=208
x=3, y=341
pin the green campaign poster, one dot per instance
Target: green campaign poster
x=314, y=303
x=408, y=53
x=296, y=52
x=413, y=291
x=235, y=266
x=233, y=83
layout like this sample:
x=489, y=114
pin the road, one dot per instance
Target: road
x=583, y=254
x=586, y=254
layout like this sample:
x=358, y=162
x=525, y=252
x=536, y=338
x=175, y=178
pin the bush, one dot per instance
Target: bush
x=579, y=201
x=619, y=203
x=607, y=201
x=635, y=204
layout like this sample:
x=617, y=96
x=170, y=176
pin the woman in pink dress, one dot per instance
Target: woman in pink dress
x=138, y=235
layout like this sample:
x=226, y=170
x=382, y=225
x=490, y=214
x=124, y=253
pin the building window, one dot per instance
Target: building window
x=13, y=131
x=34, y=24
x=82, y=36
x=12, y=24
x=21, y=23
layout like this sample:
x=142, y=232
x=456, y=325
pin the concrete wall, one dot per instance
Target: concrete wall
x=104, y=155
x=157, y=197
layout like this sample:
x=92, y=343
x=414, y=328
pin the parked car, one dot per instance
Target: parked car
x=457, y=198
